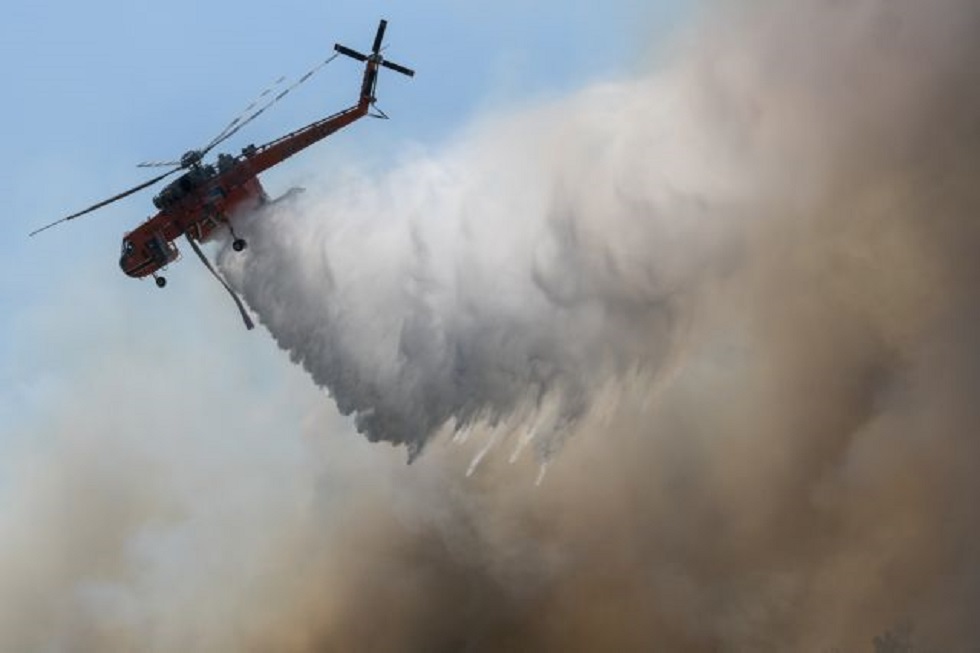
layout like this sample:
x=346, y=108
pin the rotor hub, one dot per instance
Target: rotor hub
x=191, y=158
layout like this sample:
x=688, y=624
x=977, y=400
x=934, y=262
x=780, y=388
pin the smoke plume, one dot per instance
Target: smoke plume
x=729, y=306
x=746, y=282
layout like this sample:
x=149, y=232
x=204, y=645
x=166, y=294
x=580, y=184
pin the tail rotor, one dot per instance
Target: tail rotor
x=373, y=61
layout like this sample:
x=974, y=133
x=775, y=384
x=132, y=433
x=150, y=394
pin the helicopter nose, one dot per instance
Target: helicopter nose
x=128, y=265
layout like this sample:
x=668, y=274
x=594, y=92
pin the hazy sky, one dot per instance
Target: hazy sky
x=94, y=88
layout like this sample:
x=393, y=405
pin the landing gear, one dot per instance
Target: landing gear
x=239, y=243
x=161, y=281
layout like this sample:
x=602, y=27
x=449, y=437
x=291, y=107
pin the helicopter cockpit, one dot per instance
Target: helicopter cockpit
x=127, y=250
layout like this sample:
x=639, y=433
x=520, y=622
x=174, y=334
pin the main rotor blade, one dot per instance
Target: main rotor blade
x=238, y=123
x=379, y=36
x=398, y=69
x=234, y=125
x=343, y=49
x=245, y=117
x=157, y=164
x=114, y=198
x=230, y=128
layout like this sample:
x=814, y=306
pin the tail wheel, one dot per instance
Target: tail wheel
x=161, y=282
x=238, y=244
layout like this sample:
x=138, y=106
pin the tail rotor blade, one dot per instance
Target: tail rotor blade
x=398, y=69
x=343, y=49
x=379, y=37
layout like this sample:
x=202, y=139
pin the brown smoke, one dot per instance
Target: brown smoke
x=797, y=474
x=769, y=333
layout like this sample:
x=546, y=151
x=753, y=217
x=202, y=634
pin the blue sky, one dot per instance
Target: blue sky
x=93, y=88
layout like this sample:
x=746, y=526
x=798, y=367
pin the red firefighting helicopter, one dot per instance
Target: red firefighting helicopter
x=207, y=197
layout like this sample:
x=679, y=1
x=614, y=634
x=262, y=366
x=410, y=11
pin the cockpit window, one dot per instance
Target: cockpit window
x=127, y=247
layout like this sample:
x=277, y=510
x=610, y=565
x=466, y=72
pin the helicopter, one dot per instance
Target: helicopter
x=207, y=197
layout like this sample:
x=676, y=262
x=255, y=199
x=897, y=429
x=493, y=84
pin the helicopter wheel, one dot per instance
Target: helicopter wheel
x=161, y=282
x=238, y=244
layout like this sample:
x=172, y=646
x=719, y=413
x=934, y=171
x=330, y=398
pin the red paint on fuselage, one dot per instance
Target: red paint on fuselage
x=206, y=202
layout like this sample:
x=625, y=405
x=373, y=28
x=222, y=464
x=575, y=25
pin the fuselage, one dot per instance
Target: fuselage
x=195, y=204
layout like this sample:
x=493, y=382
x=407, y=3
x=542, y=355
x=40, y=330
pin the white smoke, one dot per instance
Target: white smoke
x=546, y=254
